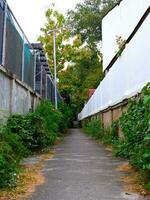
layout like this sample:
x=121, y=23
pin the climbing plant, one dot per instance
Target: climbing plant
x=135, y=125
x=121, y=44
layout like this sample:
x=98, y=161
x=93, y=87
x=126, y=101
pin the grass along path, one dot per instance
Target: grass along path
x=29, y=178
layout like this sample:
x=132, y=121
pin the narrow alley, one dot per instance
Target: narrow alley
x=82, y=170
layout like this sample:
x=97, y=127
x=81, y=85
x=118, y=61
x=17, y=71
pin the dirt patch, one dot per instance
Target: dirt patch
x=134, y=181
x=109, y=148
x=59, y=140
x=47, y=156
x=29, y=178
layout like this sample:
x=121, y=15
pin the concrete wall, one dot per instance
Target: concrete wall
x=108, y=116
x=113, y=114
x=15, y=96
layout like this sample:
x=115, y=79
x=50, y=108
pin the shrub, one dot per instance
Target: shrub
x=94, y=128
x=11, y=152
x=51, y=116
x=51, y=120
x=24, y=134
x=67, y=117
x=110, y=134
x=107, y=135
x=135, y=125
x=29, y=128
x=8, y=165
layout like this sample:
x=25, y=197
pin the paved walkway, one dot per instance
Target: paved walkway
x=81, y=170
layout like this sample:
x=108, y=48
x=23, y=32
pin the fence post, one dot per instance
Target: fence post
x=4, y=35
x=34, y=68
x=46, y=87
x=41, y=80
x=22, y=78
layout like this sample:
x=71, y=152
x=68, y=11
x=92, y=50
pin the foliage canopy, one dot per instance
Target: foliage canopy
x=79, y=64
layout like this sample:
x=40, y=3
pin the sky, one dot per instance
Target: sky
x=31, y=13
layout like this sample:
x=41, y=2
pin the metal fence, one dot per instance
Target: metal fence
x=2, y=8
x=44, y=83
x=26, y=61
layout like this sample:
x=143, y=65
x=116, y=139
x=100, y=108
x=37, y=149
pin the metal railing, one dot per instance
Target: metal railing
x=16, y=54
x=20, y=57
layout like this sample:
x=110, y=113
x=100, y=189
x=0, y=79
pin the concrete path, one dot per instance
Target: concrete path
x=82, y=170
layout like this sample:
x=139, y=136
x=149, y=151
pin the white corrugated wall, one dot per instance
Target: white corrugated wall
x=129, y=74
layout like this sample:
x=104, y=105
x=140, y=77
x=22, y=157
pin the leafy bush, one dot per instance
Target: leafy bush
x=51, y=116
x=94, y=128
x=110, y=134
x=135, y=125
x=11, y=151
x=29, y=128
x=39, y=129
x=8, y=165
x=67, y=117
x=24, y=134
x=51, y=120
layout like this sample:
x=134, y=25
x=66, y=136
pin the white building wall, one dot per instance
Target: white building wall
x=129, y=74
x=121, y=21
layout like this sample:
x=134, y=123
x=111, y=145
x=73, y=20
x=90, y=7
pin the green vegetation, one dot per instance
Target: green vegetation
x=135, y=125
x=95, y=129
x=121, y=43
x=25, y=134
x=76, y=49
x=67, y=117
x=86, y=20
x=11, y=152
x=78, y=36
x=79, y=68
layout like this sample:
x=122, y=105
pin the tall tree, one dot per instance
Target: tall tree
x=77, y=45
x=56, y=21
x=86, y=20
x=83, y=74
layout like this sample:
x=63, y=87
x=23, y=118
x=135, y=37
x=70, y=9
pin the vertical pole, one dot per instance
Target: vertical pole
x=55, y=72
x=46, y=86
x=41, y=80
x=4, y=35
x=23, y=59
x=34, y=69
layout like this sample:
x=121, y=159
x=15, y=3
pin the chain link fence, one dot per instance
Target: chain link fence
x=2, y=8
x=28, y=62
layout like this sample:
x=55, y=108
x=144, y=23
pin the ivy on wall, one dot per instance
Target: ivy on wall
x=135, y=125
